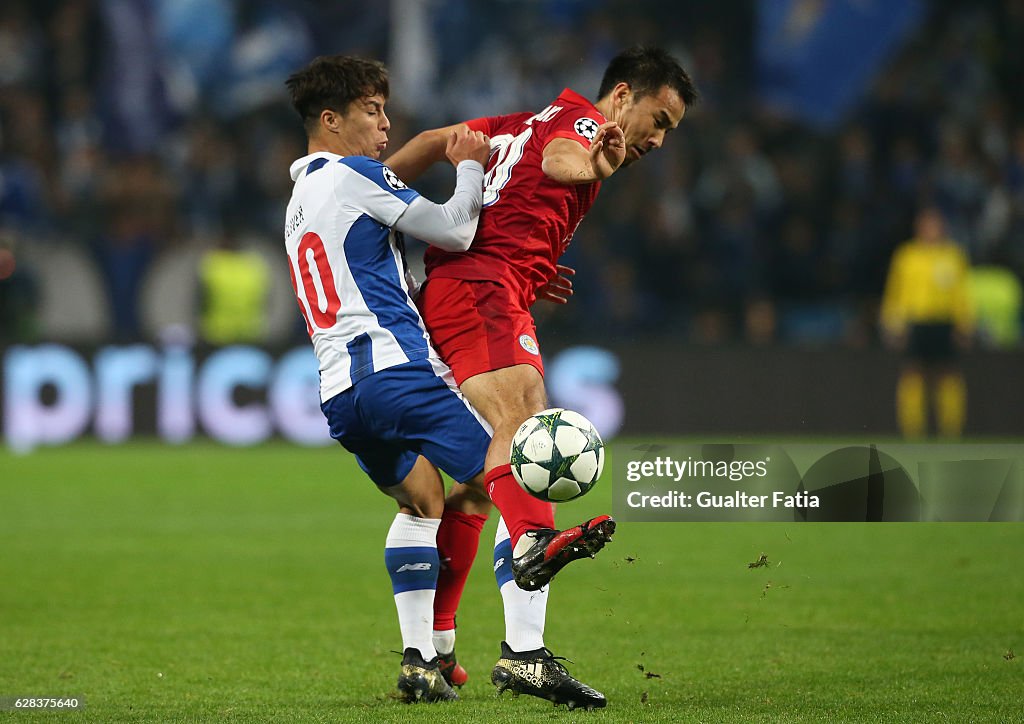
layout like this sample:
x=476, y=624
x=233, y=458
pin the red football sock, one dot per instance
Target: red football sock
x=457, y=542
x=521, y=511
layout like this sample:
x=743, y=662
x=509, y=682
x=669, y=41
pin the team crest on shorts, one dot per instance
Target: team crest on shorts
x=528, y=343
x=587, y=127
x=393, y=181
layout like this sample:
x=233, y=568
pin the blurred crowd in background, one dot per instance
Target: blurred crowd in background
x=149, y=137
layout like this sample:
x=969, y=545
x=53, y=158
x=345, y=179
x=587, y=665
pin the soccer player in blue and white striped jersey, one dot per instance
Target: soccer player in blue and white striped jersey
x=387, y=395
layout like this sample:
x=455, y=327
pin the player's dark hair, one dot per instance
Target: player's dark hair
x=647, y=69
x=334, y=81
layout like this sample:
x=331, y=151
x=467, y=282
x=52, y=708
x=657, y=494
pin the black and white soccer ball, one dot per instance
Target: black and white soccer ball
x=557, y=455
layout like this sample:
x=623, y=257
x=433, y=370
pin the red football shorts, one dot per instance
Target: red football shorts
x=478, y=326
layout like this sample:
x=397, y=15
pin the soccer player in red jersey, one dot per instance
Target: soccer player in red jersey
x=543, y=175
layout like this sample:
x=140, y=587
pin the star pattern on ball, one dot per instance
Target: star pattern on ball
x=559, y=465
x=557, y=455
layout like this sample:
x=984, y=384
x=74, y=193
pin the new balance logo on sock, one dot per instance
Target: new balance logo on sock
x=414, y=567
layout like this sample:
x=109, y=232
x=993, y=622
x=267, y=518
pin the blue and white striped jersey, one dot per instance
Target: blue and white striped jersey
x=348, y=268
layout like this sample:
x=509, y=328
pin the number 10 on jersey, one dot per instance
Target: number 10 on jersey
x=318, y=296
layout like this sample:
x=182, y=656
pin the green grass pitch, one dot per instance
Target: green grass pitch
x=208, y=584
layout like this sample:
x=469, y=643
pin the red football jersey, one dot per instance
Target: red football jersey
x=528, y=219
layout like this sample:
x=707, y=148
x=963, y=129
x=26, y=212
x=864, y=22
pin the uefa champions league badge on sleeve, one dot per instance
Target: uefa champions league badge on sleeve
x=587, y=127
x=393, y=181
x=805, y=482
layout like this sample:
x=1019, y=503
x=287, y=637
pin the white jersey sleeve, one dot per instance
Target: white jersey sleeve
x=450, y=226
x=372, y=188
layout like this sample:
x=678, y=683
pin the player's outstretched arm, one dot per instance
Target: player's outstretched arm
x=567, y=162
x=423, y=151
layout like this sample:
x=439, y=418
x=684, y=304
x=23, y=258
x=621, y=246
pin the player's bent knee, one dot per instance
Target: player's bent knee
x=507, y=396
x=514, y=415
x=516, y=409
x=421, y=493
x=469, y=497
x=418, y=506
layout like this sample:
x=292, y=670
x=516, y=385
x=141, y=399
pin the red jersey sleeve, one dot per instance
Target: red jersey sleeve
x=480, y=124
x=576, y=124
x=490, y=124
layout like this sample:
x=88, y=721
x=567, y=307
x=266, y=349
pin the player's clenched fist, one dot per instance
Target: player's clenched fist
x=467, y=145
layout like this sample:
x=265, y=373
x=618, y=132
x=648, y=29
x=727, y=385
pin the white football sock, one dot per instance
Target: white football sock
x=444, y=641
x=525, y=611
x=410, y=554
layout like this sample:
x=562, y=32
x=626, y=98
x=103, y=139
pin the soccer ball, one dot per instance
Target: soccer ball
x=557, y=455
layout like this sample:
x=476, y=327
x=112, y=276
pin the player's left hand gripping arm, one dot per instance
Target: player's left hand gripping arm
x=452, y=225
x=567, y=162
x=423, y=151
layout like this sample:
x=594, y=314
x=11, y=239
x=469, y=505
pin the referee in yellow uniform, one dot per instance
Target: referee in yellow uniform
x=926, y=311
x=234, y=287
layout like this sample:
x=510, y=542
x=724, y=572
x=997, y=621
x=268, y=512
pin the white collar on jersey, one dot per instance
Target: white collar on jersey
x=299, y=167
